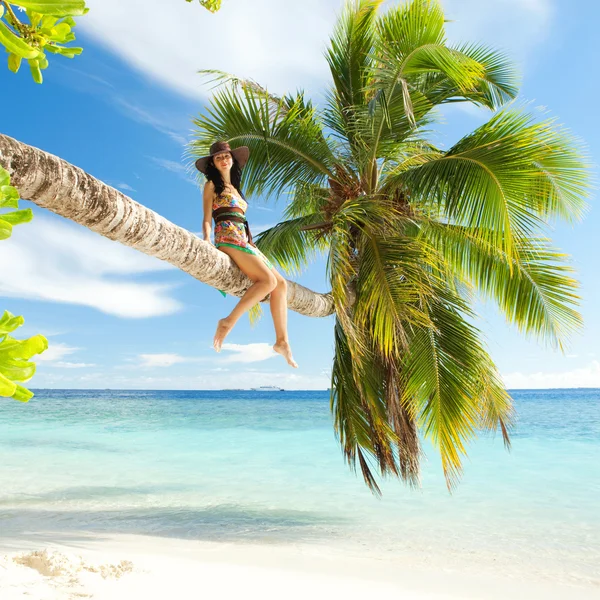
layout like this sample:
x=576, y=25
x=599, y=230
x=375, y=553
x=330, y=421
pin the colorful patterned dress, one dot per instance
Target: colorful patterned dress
x=233, y=233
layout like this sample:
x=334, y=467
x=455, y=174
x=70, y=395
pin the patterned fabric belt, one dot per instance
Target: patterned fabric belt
x=227, y=215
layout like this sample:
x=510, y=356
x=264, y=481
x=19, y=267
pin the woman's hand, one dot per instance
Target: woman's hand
x=206, y=229
x=207, y=201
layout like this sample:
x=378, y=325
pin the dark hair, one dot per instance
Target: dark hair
x=213, y=174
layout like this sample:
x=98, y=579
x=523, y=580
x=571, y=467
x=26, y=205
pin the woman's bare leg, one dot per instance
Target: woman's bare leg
x=264, y=283
x=278, y=303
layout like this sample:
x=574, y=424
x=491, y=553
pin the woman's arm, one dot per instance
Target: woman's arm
x=207, y=198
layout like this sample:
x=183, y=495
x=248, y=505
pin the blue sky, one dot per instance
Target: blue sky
x=122, y=111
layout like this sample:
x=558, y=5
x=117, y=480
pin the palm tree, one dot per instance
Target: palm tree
x=413, y=233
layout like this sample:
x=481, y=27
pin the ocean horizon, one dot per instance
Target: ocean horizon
x=265, y=468
x=36, y=390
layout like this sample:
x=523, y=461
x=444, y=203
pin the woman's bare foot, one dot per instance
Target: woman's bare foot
x=284, y=349
x=223, y=328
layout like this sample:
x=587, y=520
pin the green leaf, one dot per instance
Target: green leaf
x=23, y=349
x=4, y=176
x=8, y=323
x=61, y=33
x=34, y=18
x=56, y=8
x=18, y=216
x=64, y=51
x=7, y=387
x=17, y=370
x=15, y=44
x=36, y=73
x=14, y=358
x=14, y=62
x=9, y=197
x=5, y=229
x=47, y=23
x=22, y=394
x=211, y=5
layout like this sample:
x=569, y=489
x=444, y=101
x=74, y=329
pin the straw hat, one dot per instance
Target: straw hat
x=240, y=154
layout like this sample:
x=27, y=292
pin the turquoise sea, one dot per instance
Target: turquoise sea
x=265, y=467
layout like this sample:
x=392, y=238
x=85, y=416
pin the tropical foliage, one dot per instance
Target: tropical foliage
x=48, y=28
x=30, y=28
x=15, y=354
x=211, y=5
x=413, y=233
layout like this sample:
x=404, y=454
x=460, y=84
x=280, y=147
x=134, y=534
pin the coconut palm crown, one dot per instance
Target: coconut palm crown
x=413, y=234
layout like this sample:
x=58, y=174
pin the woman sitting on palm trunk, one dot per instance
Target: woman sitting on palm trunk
x=225, y=203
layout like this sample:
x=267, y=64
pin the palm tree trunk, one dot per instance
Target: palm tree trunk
x=66, y=190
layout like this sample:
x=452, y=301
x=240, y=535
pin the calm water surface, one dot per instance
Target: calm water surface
x=265, y=467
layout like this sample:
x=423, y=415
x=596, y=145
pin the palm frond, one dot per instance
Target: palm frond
x=254, y=314
x=411, y=46
x=291, y=245
x=407, y=155
x=534, y=287
x=364, y=422
x=286, y=142
x=306, y=199
x=442, y=371
x=507, y=177
x=350, y=53
x=222, y=78
x=496, y=85
x=496, y=409
x=393, y=283
x=412, y=25
x=348, y=406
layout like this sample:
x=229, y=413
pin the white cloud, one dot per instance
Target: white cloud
x=240, y=353
x=56, y=352
x=588, y=376
x=170, y=165
x=175, y=167
x=161, y=360
x=139, y=114
x=209, y=379
x=515, y=26
x=256, y=229
x=70, y=365
x=125, y=186
x=279, y=44
x=248, y=353
x=81, y=74
x=57, y=261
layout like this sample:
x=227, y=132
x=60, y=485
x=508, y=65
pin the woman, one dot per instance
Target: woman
x=224, y=201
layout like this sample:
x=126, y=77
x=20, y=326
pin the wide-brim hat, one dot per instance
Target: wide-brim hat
x=240, y=154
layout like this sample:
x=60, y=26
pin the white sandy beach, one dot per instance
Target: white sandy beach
x=130, y=567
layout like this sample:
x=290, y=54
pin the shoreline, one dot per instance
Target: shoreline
x=123, y=566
